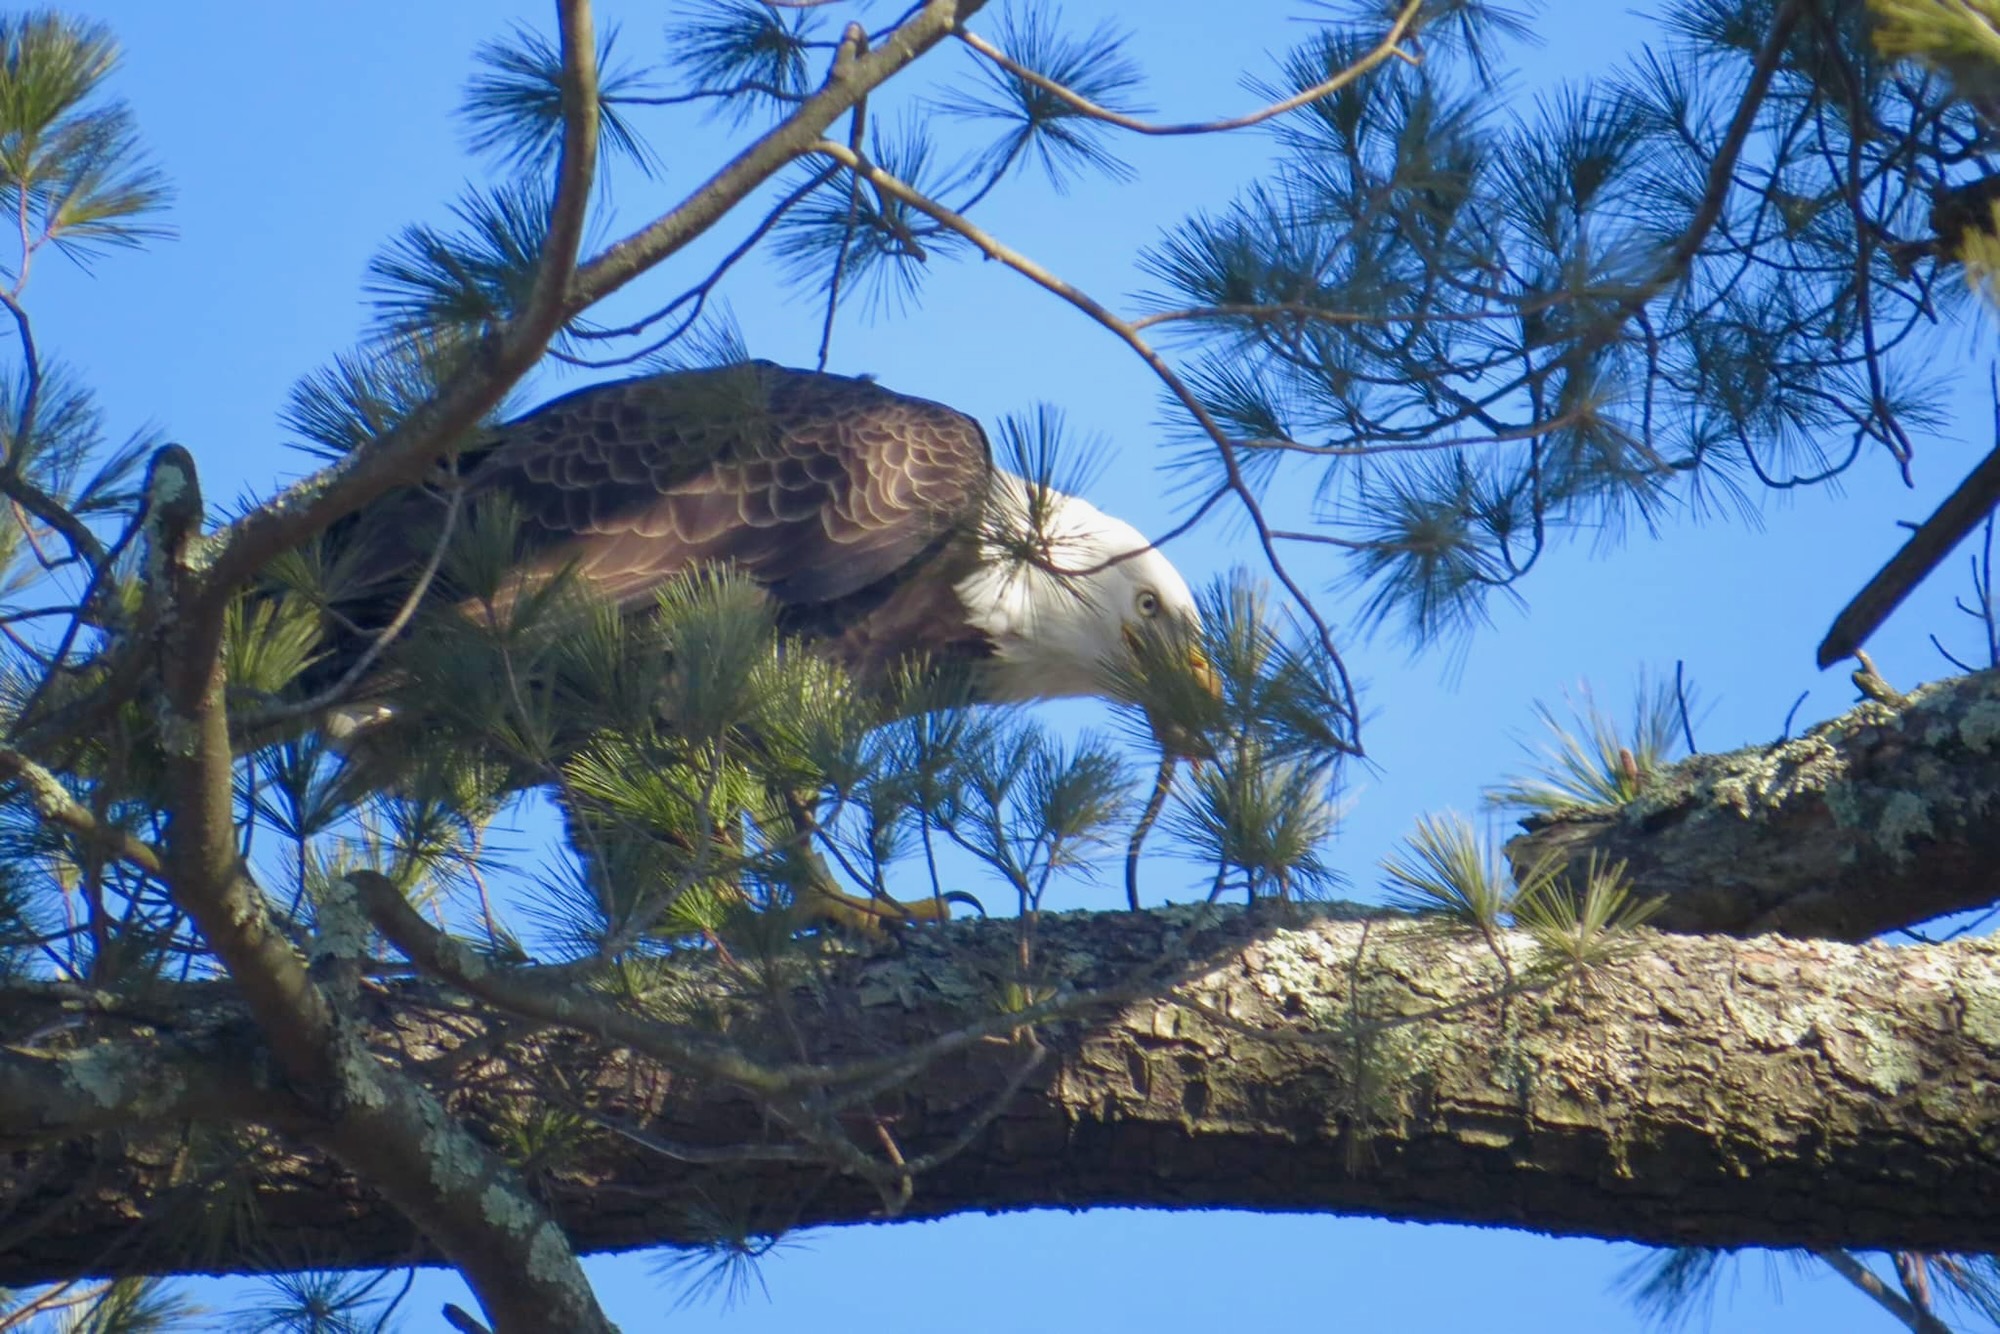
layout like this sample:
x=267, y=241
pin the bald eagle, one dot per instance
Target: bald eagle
x=878, y=524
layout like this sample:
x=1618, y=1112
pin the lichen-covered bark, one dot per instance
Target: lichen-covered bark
x=1700, y=1090
x=1880, y=818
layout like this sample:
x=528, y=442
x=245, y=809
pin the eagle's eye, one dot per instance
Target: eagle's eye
x=1148, y=603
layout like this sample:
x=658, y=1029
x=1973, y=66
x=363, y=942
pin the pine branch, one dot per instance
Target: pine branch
x=389, y=1129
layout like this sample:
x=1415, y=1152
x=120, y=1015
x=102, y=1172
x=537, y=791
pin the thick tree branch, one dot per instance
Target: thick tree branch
x=384, y=1126
x=202, y=867
x=555, y=997
x=1702, y=1090
x=51, y=1095
x=1884, y=817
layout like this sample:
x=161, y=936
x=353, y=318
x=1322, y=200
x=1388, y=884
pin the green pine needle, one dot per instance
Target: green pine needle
x=1591, y=761
x=1575, y=929
x=70, y=160
x=268, y=641
x=449, y=285
x=1450, y=872
x=1673, y=1286
x=1063, y=142
x=513, y=107
x=889, y=244
x=363, y=395
x=1264, y=823
x=132, y=1306
x=749, y=57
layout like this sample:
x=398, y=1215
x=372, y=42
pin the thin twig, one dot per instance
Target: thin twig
x=855, y=41
x=1681, y=698
x=1389, y=46
x=1867, y=1280
x=1163, y=783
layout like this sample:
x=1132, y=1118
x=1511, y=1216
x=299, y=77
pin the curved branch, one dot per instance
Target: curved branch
x=53, y=802
x=851, y=80
x=1390, y=45
x=380, y=1123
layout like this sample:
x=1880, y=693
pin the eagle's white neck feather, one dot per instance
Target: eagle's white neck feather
x=1054, y=632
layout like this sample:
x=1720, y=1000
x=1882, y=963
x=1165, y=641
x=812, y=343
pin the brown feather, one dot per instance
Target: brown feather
x=817, y=486
x=831, y=492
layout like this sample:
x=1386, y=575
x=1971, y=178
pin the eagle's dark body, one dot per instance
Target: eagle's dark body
x=856, y=508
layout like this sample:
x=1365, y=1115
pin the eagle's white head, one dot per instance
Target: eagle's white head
x=1064, y=622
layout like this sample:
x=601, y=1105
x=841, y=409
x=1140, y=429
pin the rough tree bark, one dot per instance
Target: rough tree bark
x=1697, y=1090
x=1878, y=819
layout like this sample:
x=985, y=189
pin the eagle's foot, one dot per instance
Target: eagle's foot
x=875, y=918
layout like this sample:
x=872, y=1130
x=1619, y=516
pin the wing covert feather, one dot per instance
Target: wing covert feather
x=817, y=486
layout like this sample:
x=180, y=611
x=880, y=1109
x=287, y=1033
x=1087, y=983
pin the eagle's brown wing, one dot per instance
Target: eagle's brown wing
x=817, y=486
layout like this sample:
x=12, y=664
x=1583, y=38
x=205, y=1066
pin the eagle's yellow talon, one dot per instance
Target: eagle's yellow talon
x=873, y=917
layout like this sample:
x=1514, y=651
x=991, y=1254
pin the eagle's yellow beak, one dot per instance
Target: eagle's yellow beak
x=1197, y=661
x=1173, y=736
x=1198, y=665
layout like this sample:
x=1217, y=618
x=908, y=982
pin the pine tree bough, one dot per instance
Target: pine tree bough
x=1881, y=818
x=1701, y=1089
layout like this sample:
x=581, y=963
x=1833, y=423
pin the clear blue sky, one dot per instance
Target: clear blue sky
x=300, y=136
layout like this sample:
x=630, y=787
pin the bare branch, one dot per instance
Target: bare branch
x=47, y=1097
x=701, y=291
x=853, y=43
x=1861, y=1276
x=549, y=995
x=1163, y=785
